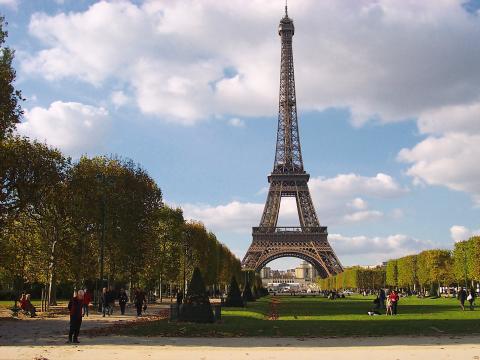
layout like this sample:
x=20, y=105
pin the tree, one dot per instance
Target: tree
x=10, y=110
x=434, y=268
x=392, y=273
x=234, y=297
x=247, y=292
x=196, y=306
x=407, y=272
x=461, y=260
x=33, y=181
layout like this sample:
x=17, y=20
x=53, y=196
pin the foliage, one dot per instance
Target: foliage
x=10, y=98
x=355, y=277
x=234, y=297
x=407, y=272
x=392, y=273
x=54, y=214
x=196, y=306
x=247, y=295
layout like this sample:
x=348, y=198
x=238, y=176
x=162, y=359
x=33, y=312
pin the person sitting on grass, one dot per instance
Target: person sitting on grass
x=23, y=301
x=376, y=307
x=29, y=308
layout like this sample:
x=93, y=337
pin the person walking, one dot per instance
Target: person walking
x=394, y=301
x=75, y=306
x=110, y=300
x=139, y=301
x=462, y=296
x=122, y=301
x=471, y=299
x=104, y=299
x=87, y=299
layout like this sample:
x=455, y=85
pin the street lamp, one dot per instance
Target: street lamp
x=465, y=262
x=185, y=257
x=104, y=180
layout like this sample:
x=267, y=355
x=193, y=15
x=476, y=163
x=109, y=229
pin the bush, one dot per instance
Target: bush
x=196, y=306
x=234, y=297
x=247, y=292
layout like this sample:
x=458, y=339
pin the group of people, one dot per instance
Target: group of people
x=109, y=296
x=79, y=303
x=27, y=306
x=385, y=300
x=470, y=297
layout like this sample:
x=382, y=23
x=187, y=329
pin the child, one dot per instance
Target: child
x=389, y=306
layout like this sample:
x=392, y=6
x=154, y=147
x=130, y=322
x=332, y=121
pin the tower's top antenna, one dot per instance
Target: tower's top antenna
x=286, y=8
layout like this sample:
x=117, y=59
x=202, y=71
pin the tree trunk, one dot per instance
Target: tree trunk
x=52, y=290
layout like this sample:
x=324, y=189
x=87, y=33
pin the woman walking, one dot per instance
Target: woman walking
x=471, y=299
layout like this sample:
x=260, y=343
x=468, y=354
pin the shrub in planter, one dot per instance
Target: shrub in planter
x=234, y=296
x=247, y=292
x=196, y=306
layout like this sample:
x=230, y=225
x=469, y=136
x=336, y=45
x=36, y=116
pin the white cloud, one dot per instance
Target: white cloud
x=73, y=127
x=363, y=215
x=451, y=119
x=450, y=160
x=358, y=203
x=236, y=122
x=376, y=249
x=119, y=98
x=235, y=216
x=379, y=58
x=11, y=3
x=461, y=233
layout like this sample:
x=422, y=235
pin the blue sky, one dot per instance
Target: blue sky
x=388, y=94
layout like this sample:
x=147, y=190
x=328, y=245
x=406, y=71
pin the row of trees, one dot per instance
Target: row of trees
x=355, y=278
x=431, y=269
x=64, y=222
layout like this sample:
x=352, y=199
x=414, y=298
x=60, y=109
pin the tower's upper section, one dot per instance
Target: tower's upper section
x=286, y=24
x=288, y=155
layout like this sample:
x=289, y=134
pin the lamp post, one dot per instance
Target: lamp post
x=185, y=257
x=104, y=180
x=465, y=262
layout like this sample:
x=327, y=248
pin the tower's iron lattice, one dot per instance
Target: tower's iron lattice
x=288, y=179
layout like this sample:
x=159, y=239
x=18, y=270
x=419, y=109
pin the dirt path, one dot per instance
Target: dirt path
x=53, y=330
x=123, y=348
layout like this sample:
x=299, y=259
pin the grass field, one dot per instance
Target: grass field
x=315, y=316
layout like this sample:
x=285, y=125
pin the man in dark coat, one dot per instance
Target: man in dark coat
x=122, y=300
x=139, y=301
x=462, y=296
x=75, y=307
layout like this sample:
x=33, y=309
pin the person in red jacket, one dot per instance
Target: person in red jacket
x=23, y=301
x=87, y=299
x=75, y=307
x=394, y=301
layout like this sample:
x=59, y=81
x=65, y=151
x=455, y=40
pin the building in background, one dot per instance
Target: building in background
x=305, y=271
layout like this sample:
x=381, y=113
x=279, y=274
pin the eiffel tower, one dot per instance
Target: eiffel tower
x=288, y=179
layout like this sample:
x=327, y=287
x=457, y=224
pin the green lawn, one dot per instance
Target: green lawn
x=36, y=303
x=314, y=316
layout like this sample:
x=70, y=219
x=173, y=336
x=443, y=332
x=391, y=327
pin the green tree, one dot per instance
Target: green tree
x=10, y=110
x=407, y=272
x=392, y=273
x=234, y=297
x=462, y=258
x=196, y=307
